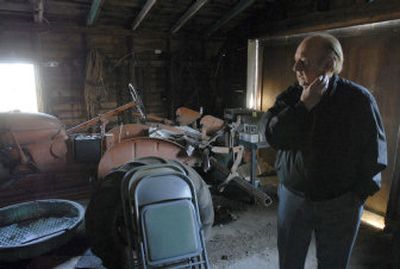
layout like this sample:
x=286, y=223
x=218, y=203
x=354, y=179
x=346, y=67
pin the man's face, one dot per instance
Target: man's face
x=308, y=62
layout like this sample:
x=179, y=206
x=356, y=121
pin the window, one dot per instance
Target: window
x=17, y=87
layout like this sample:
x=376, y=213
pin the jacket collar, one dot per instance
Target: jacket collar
x=332, y=85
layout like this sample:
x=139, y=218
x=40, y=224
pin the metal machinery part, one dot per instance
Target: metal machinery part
x=87, y=148
x=32, y=142
x=186, y=116
x=237, y=159
x=132, y=149
x=259, y=195
x=246, y=131
x=127, y=131
x=183, y=143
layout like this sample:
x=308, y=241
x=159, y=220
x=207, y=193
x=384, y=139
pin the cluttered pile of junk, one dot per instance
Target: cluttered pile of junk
x=44, y=168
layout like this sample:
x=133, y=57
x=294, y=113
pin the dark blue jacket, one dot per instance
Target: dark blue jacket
x=337, y=147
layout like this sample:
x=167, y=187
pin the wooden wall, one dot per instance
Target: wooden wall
x=169, y=72
x=227, y=79
x=371, y=55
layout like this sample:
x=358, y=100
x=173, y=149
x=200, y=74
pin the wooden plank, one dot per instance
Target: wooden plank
x=66, y=107
x=67, y=100
x=16, y=7
x=109, y=105
x=72, y=122
x=392, y=218
x=69, y=184
x=319, y=21
x=106, y=116
x=72, y=28
x=68, y=114
x=74, y=11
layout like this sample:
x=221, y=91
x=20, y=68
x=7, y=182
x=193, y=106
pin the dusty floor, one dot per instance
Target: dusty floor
x=249, y=242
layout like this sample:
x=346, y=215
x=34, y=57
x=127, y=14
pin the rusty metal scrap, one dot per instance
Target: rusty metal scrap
x=210, y=124
x=32, y=141
x=186, y=116
x=129, y=150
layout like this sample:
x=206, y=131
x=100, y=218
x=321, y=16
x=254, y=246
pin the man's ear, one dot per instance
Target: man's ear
x=329, y=65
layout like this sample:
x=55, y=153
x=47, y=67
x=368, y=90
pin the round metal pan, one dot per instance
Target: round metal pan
x=33, y=228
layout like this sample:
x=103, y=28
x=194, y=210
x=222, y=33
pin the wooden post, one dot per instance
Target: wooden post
x=38, y=9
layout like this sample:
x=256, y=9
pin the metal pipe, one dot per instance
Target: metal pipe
x=259, y=195
x=253, y=89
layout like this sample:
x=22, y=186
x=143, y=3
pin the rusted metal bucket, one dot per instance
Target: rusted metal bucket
x=33, y=228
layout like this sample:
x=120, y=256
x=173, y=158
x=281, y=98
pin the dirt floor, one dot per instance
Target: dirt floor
x=249, y=242
x=243, y=238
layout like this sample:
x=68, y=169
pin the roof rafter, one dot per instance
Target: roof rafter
x=193, y=9
x=241, y=6
x=143, y=13
x=94, y=11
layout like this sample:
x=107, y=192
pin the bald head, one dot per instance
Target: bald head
x=327, y=48
x=317, y=55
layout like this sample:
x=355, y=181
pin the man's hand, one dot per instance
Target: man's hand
x=312, y=94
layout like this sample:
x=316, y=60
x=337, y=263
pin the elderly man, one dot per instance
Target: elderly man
x=331, y=149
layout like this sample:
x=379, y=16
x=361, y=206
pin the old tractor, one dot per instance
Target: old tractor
x=36, y=146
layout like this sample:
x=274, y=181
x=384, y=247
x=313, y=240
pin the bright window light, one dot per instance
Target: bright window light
x=17, y=88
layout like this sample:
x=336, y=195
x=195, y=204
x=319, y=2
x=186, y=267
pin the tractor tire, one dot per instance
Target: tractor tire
x=104, y=217
x=204, y=199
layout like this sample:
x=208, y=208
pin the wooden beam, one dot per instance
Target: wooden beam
x=188, y=15
x=62, y=28
x=143, y=13
x=381, y=27
x=320, y=21
x=38, y=9
x=241, y=6
x=14, y=7
x=94, y=11
x=74, y=28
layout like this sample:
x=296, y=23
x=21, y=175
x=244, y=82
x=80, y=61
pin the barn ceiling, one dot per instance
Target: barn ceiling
x=200, y=17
